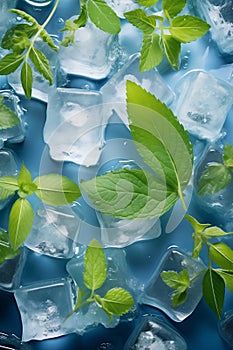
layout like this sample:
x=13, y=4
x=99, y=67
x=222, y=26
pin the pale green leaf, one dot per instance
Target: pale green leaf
x=95, y=266
x=214, y=179
x=214, y=291
x=8, y=118
x=188, y=28
x=5, y=194
x=24, y=175
x=215, y=231
x=20, y=222
x=41, y=64
x=197, y=245
x=171, y=48
x=176, y=280
x=228, y=155
x=173, y=7
x=141, y=20
x=129, y=194
x=9, y=63
x=9, y=183
x=6, y=252
x=79, y=300
x=56, y=190
x=151, y=52
x=179, y=298
x=27, y=79
x=197, y=226
x=117, y=301
x=222, y=255
x=227, y=275
x=48, y=40
x=103, y=16
x=147, y=3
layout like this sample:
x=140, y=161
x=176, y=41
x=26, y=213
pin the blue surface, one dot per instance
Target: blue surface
x=200, y=329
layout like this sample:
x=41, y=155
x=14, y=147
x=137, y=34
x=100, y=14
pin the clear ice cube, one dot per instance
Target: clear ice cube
x=202, y=104
x=8, y=167
x=75, y=124
x=114, y=91
x=92, y=55
x=158, y=294
x=6, y=17
x=54, y=231
x=225, y=327
x=43, y=308
x=154, y=334
x=219, y=14
x=121, y=6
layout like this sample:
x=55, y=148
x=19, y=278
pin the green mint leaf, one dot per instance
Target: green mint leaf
x=9, y=183
x=197, y=245
x=171, y=48
x=214, y=291
x=228, y=155
x=215, y=231
x=95, y=266
x=129, y=194
x=26, y=16
x=82, y=18
x=12, y=35
x=8, y=118
x=117, y=301
x=27, y=79
x=173, y=7
x=24, y=176
x=214, y=179
x=176, y=280
x=222, y=255
x=160, y=122
x=179, y=298
x=6, y=252
x=9, y=63
x=79, y=300
x=56, y=190
x=197, y=226
x=48, y=40
x=151, y=52
x=26, y=186
x=103, y=16
x=41, y=64
x=20, y=222
x=139, y=19
x=5, y=194
x=147, y=3
x=227, y=275
x=188, y=28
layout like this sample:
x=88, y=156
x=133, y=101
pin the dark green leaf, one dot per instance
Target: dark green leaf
x=214, y=291
x=222, y=255
x=27, y=79
x=41, y=64
x=141, y=20
x=173, y=7
x=228, y=155
x=82, y=18
x=8, y=118
x=117, y=301
x=171, y=48
x=151, y=52
x=14, y=33
x=9, y=63
x=214, y=179
x=188, y=28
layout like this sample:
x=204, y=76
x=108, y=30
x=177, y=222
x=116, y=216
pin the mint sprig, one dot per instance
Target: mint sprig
x=163, y=35
x=164, y=146
x=116, y=301
x=51, y=189
x=215, y=279
x=217, y=176
x=8, y=118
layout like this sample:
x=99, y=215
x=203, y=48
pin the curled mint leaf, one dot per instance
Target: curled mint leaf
x=214, y=291
x=214, y=179
x=188, y=28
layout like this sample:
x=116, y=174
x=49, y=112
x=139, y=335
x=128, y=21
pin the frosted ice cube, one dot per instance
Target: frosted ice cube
x=219, y=14
x=40, y=85
x=114, y=91
x=8, y=167
x=225, y=327
x=92, y=55
x=158, y=294
x=5, y=16
x=118, y=275
x=54, y=231
x=202, y=104
x=75, y=124
x=11, y=342
x=43, y=308
x=17, y=133
x=121, y=6
x=154, y=334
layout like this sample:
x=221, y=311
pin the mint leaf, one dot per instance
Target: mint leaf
x=197, y=226
x=117, y=301
x=20, y=222
x=179, y=298
x=227, y=275
x=228, y=155
x=215, y=231
x=5, y=194
x=214, y=179
x=171, y=48
x=197, y=245
x=129, y=194
x=9, y=63
x=9, y=183
x=103, y=16
x=79, y=300
x=27, y=79
x=48, y=40
x=6, y=252
x=188, y=28
x=95, y=266
x=151, y=52
x=173, y=7
x=139, y=19
x=12, y=35
x=26, y=186
x=160, y=122
x=8, y=118
x=147, y=3
x=176, y=280
x=222, y=255
x=56, y=190
x=26, y=16
x=41, y=64
x=73, y=26
x=24, y=176
x=213, y=291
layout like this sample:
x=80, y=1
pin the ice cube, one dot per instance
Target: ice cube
x=219, y=14
x=43, y=308
x=75, y=124
x=92, y=55
x=8, y=167
x=5, y=16
x=203, y=103
x=114, y=91
x=154, y=334
x=158, y=294
x=225, y=327
x=121, y=6
x=54, y=231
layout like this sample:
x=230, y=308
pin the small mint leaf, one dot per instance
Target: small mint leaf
x=173, y=8
x=9, y=63
x=41, y=64
x=141, y=20
x=9, y=183
x=222, y=255
x=79, y=300
x=26, y=79
x=117, y=301
x=6, y=252
x=48, y=40
x=171, y=48
x=24, y=176
x=188, y=28
x=214, y=291
x=8, y=118
x=228, y=155
x=227, y=276
x=175, y=280
x=214, y=179
x=147, y=3
x=27, y=17
x=82, y=18
x=197, y=245
x=179, y=298
x=151, y=52
x=5, y=194
x=95, y=266
x=215, y=231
